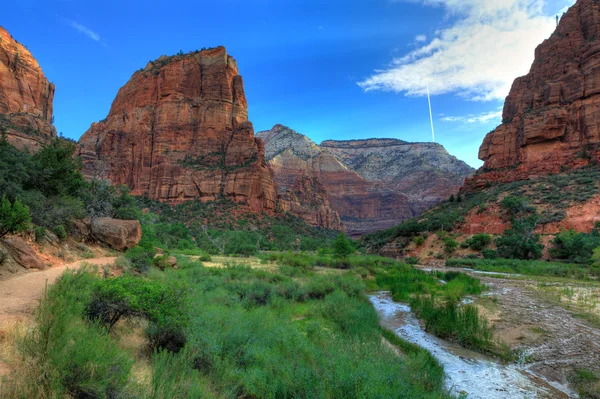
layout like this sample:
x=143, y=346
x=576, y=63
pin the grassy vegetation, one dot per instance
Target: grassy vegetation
x=245, y=333
x=525, y=267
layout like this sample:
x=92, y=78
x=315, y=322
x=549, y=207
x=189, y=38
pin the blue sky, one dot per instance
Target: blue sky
x=331, y=69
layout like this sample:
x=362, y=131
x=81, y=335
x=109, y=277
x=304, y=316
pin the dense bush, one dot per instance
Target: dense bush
x=164, y=306
x=575, y=247
x=479, y=241
x=14, y=217
x=520, y=241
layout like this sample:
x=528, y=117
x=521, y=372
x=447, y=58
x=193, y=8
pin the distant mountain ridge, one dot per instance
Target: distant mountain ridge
x=372, y=184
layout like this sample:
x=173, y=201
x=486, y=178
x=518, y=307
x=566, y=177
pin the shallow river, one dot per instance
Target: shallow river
x=479, y=376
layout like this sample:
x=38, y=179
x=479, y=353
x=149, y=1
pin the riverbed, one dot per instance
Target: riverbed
x=467, y=372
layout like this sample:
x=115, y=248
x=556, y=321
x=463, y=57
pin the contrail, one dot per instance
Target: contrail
x=430, y=115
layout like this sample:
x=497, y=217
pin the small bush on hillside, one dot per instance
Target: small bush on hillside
x=419, y=240
x=450, y=245
x=60, y=232
x=14, y=218
x=479, y=241
x=489, y=254
x=39, y=233
x=516, y=205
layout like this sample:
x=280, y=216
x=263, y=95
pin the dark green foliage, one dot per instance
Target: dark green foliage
x=515, y=205
x=575, y=247
x=520, y=241
x=60, y=232
x=141, y=257
x=489, y=254
x=342, y=246
x=479, y=241
x=14, y=218
x=40, y=234
x=450, y=245
x=163, y=305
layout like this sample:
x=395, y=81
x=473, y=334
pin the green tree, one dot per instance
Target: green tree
x=342, y=246
x=479, y=241
x=14, y=217
x=520, y=241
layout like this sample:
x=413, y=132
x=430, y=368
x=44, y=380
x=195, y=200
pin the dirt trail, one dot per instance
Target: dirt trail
x=19, y=295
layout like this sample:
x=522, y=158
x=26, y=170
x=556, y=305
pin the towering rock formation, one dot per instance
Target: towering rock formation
x=551, y=118
x=179, y=130
x=25, y=96
x=372, y=184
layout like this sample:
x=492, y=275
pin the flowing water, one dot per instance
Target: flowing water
x=467, y=372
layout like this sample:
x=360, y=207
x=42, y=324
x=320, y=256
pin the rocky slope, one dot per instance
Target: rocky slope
x=367, y=197
x=179, y=130
x=551, y=117
x=25, y=96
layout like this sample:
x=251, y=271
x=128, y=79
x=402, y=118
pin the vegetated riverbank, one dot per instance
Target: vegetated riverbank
x=215, y=332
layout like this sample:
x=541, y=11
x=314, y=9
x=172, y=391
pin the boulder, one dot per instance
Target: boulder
x=23, y=253
x=118, y=234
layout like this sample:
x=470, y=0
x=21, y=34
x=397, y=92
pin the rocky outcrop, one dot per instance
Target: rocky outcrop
x=23, y=253
x=117, y=234
x=307, y=199
x=179, y=130
x=551, y=118
x=372, y=184
x=25, y=96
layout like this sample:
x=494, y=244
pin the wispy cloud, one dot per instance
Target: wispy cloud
x=489, y=44
x=481, y=118
x=421, y=38
x=85, y=30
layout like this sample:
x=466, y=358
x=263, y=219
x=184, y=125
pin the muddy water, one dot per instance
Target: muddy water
x=479, y=376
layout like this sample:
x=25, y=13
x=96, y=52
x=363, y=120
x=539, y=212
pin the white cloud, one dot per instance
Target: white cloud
x=85, y=30
x=481, y=118
x=421, y=38
x=490, y=43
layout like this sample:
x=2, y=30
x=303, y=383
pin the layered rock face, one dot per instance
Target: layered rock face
x=179, y=130
x=25, y=96
x=372, y=184
x=551, y=118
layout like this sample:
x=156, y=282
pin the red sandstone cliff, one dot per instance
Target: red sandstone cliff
x=551, y=118
x=179, y=130
x=25, y=96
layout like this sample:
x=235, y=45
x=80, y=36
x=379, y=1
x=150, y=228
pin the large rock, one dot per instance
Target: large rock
x=22, y=253
x=25, y=96
x=118, y=234
x=551, y=118
x=372, y=184
x=179, y=130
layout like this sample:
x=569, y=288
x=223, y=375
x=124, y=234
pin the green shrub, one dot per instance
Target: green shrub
x=413, y=260
x=450, y=245
x=140, y=258
x=520, y=242
x=343, y=246
x=60, y=232
x=14, y=218
x=489, y=254
x=39, y=233
x=574, y=247
x=419, y=240
x=479, y=241
x=164, y=306
x=66, y=356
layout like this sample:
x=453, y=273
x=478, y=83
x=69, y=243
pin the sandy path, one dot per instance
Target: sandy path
x=19, y=295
